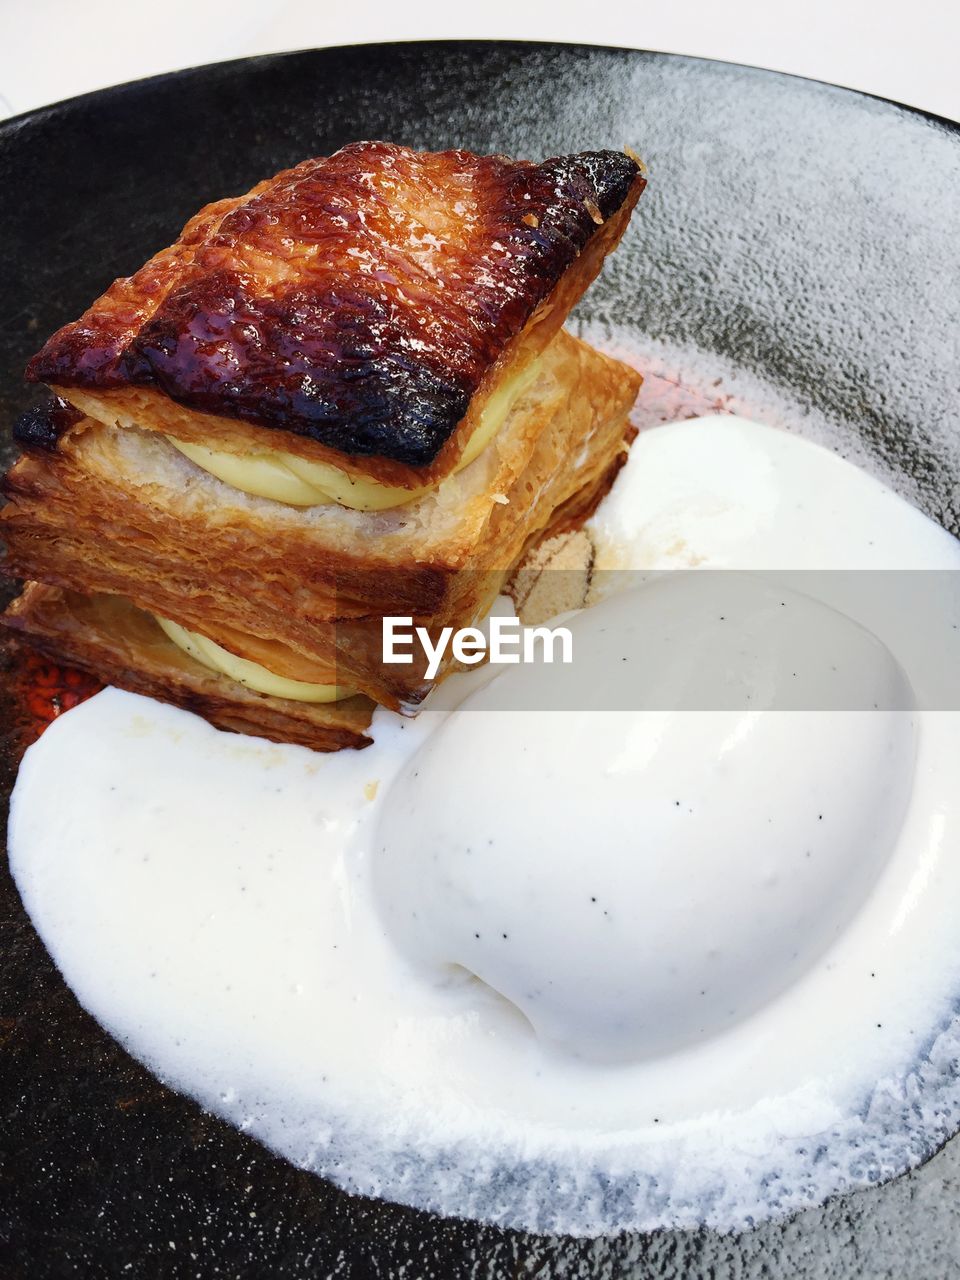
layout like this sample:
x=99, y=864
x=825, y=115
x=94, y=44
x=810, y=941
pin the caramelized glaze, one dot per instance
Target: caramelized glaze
x=357, y=300
x=40, y=428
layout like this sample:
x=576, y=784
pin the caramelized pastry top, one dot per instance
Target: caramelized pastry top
x=357, y=299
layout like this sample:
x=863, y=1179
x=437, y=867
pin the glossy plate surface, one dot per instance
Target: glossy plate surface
x=797, y=244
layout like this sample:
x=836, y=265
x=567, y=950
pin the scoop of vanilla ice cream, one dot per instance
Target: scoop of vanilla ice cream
x=635, y=879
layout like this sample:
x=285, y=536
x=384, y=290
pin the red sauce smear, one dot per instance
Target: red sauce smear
x=40, y=692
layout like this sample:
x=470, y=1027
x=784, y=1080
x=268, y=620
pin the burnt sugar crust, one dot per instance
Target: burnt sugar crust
x=41, y=427
x=359, y=306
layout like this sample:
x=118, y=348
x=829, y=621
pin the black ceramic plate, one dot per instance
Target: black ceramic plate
x=796, y=240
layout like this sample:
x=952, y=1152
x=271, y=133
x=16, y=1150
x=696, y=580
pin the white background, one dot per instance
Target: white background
x=902, y=49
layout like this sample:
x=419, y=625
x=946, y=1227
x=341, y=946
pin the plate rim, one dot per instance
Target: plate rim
x=10, y=125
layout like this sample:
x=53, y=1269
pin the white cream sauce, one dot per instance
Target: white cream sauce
x=240, y=915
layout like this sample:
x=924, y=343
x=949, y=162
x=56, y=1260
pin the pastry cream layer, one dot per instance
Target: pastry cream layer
x=243, y=671
x=286, y=478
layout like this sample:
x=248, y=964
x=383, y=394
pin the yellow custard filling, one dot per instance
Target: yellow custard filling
x=286, y=478
x=243, y=671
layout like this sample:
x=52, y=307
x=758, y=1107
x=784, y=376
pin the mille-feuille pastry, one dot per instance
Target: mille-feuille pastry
x=341, y=396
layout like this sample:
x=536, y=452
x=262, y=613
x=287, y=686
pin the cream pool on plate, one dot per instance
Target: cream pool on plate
x=574, y=970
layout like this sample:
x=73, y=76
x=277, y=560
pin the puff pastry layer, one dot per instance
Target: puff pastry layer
x=122, y=512
x=123, y=646
x=357, y=309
